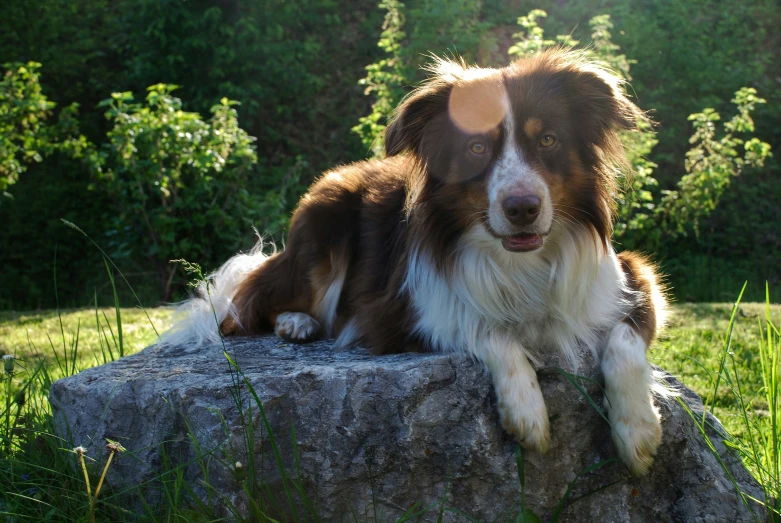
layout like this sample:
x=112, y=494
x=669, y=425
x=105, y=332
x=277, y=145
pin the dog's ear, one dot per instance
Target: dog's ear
x=426, y=103
x=601, y=106
x=436, y=121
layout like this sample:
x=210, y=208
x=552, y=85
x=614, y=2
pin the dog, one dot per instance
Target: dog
x=485, y=229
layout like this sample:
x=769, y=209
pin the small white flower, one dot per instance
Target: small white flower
x=238, y=472
x=8, y=363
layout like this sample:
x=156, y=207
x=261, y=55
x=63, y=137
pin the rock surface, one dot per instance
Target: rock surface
x=405, y=430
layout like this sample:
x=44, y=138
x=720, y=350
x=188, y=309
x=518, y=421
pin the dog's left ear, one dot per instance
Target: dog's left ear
x=426, y=103
x=600, y=105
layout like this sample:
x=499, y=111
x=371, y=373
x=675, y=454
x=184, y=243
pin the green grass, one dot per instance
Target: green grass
x=16, y=328
x=691, y=349
x=42, y=482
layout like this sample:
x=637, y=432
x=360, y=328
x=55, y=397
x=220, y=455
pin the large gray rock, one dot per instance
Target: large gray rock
x=401, y=430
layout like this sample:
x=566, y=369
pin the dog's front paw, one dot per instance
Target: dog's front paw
x=526, y=418
x=636, y=431
x=296, y=327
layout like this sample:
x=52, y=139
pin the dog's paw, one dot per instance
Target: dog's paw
x=526, y=418
x=296, y=327
x=637, y=433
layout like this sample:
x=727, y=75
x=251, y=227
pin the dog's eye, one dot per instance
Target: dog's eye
x=477, y=147
x=547, y=140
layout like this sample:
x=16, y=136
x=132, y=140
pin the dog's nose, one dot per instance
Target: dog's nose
x=522, y=210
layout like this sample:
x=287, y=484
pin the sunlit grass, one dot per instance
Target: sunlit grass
x=28, y=334
x=691, y=349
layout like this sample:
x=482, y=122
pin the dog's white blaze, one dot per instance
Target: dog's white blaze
x=628, y=382
x=512, y=175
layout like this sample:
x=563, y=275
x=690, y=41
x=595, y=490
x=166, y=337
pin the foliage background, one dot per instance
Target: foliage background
x=295, y=67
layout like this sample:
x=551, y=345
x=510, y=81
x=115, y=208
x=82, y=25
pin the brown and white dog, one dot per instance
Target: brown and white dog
x=486, y=229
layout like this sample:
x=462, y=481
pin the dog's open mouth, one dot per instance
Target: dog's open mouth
x=524, y=242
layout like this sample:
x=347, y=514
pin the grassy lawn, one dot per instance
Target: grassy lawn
x=31, y=335
x=691, y=349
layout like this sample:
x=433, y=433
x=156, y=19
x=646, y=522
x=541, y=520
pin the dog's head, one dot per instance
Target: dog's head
x=517, y=150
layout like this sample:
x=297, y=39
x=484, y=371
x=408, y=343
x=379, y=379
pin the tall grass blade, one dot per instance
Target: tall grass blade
x=727, y=346
x=59, y=316
x=110, y=331
x=75, y=347
x=102, y=334
x=63, y=366
x=107, y=257
x=116, y=309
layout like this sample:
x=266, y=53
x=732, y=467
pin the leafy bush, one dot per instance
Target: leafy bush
x=711, y=163
x=294, y=67
x=180, y=183
x=407, y=40
x=26, y=132
x=384, y=79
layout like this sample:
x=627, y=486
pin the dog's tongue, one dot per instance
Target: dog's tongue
x=522, y=242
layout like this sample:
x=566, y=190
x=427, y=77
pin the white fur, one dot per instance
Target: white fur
x=564, y=296
x=296, y=326
x=349, y=336
x=325, y=305
x=196, y=321
x=521, y=405
x=634, y=419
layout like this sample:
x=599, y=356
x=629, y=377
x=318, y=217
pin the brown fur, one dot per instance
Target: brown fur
x=642, y=280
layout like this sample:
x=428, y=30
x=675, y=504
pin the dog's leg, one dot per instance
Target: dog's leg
x=521, y=405
x=275, y=296
x=636, y=427
x=635, y=421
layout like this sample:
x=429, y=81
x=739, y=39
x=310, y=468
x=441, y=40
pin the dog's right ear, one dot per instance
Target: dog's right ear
x=423, y=105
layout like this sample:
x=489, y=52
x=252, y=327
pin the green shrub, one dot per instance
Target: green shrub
x=384, y=79
x=294, y=67
x=409, y=36
x=180, y=183
x=27, y=133
x=712, y=162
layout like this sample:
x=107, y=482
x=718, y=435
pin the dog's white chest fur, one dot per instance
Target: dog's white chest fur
x=564, y=298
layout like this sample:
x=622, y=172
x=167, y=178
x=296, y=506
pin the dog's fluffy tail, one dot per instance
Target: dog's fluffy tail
x=197, y=321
